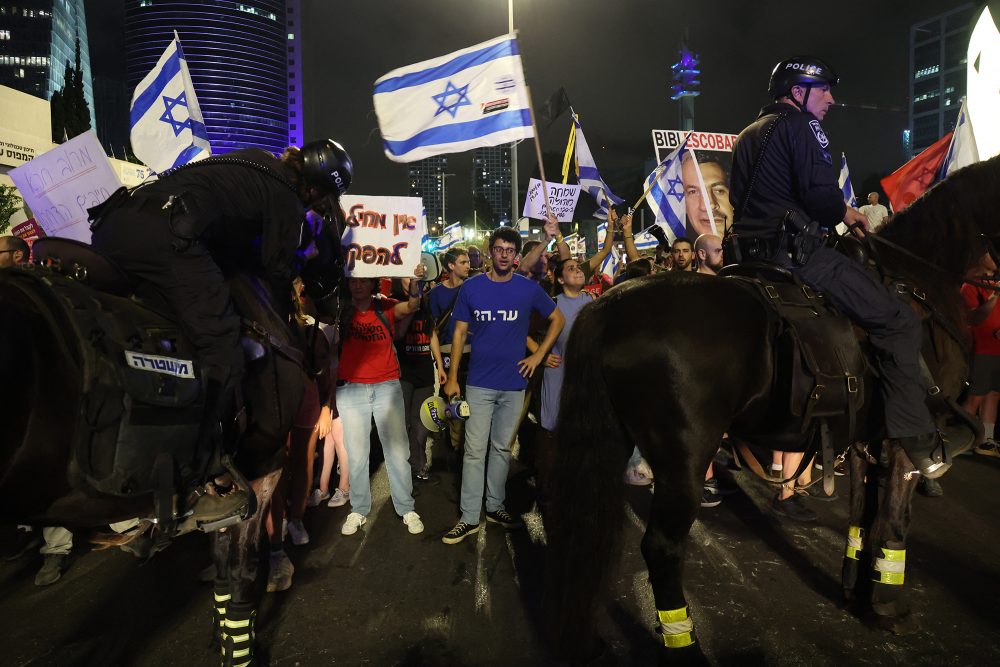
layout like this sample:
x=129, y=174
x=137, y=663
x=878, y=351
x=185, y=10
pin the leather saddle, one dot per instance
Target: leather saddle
x=819, y=363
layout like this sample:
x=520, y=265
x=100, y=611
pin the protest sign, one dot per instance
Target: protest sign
x=562, y=198
x=713, y=152
x=61, y=184
x=383, y=235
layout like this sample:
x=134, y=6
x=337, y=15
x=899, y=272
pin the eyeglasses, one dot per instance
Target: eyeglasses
x=504, y=252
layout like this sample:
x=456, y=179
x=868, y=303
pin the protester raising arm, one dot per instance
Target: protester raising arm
x=627, y=233
x=551, y=231
x=594, y=263
x=406, y=308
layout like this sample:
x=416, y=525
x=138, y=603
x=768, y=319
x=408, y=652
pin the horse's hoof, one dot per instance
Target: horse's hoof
x=689, y=655
x=901, y=624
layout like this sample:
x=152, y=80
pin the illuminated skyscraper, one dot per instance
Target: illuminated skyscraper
x=938, y=49
x=37, y=39
x=427, y=182
x=491, y=179
x=244, y=61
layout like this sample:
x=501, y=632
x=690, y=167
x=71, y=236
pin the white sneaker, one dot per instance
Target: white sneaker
x=339, y=498
x=317, y=497
x=298, y=532
x=355, y=521
x=413, y=523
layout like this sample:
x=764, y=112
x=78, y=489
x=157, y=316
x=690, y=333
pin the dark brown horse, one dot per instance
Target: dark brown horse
x=674, y=385
x=55, y=463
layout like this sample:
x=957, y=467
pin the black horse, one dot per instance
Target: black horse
x=59, y=336
x=676, y=384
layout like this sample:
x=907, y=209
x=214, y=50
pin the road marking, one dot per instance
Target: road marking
x=513, y=559
x=482, y=583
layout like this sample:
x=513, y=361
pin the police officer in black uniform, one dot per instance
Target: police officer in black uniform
x=179, y=236
x=783, y=176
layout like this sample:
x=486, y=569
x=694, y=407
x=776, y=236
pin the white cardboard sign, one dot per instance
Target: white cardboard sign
x=61, y=184
x=383, y=235
x=562, y=198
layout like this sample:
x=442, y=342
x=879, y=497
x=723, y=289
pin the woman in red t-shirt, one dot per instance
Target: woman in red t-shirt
x=368, y=386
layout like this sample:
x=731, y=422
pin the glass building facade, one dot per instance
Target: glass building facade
x=244, y=63
x=426, y=180
x=37, y=39
x=491, y=179
x=938, y=48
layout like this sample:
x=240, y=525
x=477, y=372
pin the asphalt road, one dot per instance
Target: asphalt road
x=761, y=591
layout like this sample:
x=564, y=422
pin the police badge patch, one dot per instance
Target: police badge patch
x=819, y=133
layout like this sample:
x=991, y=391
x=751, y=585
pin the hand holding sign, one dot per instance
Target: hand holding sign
x=561, y=198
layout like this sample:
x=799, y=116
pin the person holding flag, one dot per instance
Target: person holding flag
x=178, y=238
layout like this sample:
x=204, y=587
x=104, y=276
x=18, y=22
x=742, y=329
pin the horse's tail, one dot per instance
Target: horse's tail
x=585, y=510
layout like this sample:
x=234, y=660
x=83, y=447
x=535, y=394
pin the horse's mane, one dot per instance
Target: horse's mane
x=945, y=227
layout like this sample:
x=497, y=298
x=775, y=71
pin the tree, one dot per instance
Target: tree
x=10, y=203
x=70, y=111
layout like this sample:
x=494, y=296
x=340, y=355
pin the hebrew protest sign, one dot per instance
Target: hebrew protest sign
x=562, y=198
x=383, y=235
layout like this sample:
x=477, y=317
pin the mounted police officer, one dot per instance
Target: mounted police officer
x=786, y=197
x=179, y=237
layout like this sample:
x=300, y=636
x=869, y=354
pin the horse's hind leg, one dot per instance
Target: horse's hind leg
x=676, y=498
x=861, y=514
x=888, y=544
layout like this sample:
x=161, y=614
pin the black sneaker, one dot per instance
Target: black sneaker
x=838, y=469
x=24, y=541
x=461, y=531
x=793, y=508
x=710, y=498
x=504, y=518
x=721, y=487
x=426, y=478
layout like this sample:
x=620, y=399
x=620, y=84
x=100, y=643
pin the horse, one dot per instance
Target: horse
x=55, y=468
x=712, y=372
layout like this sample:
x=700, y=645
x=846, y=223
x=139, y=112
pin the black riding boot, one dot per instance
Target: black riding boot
x=217, y=499
x=932, y=453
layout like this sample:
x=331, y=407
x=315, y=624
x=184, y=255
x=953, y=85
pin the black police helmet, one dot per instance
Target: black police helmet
x=799, y=71
x=327, y=166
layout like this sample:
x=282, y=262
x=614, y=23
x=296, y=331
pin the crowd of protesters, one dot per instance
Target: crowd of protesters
x=493, y=330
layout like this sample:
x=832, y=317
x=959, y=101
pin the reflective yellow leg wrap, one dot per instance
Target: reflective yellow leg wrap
x=676, y=627
x=222, y=598
x=854, y=542
x=891, y=566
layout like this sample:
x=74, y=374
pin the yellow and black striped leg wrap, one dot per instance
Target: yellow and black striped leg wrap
x=855, y=542
x=889, y=569
x=676, y=627
x=238, y=638
x=221, y=598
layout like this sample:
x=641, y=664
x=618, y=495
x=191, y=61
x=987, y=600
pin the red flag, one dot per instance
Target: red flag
x=913, y=178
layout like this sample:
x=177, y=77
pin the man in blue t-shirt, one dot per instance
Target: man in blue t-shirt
x=496, y=308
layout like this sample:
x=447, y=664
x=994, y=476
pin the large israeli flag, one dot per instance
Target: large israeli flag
x=590, y=180
x=167, y=127
x=468, y=99
x=665, y=193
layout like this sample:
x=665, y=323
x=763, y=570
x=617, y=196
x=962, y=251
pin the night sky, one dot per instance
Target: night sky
x=614, y=60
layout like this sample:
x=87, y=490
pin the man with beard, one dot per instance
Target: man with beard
x=708, y=254
x=496, y=307
x=683, y=254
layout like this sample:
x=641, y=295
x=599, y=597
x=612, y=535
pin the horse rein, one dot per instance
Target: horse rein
x=912, y=255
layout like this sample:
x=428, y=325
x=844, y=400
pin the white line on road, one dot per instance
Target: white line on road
x=482, y=583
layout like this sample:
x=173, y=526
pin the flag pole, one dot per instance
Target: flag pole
x=648, y=189
x=538, y=148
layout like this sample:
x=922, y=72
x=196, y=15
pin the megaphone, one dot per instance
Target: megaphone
x=435, y=413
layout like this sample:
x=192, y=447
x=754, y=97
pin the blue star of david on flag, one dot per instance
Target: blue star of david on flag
x=168, y=116
x=665, y=193
x=167, y=128
x=450, y=89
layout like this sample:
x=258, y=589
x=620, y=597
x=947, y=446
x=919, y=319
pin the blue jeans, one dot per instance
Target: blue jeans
x=357, y=404
x=491, y=425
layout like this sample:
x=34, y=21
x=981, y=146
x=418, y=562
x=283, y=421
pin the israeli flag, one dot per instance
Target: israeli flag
x=590, y=180
x=452, y=235
x=665, y=194
x=963, y=150
x=611, y=263
x=468, y=99
x=167, y=127
x=645, y=241
x=845, y=183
